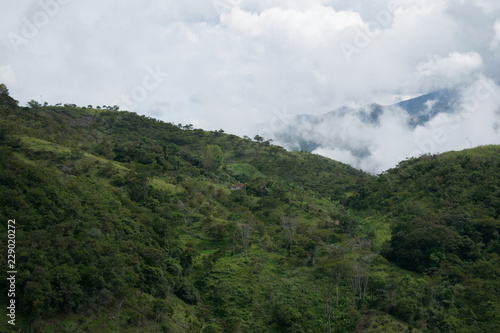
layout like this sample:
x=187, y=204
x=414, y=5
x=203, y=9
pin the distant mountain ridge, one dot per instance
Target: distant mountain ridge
x=368, y=137
x=301, y=134
x=424, y=107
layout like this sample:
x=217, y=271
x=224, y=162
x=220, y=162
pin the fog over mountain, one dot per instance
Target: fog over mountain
x=375, y=138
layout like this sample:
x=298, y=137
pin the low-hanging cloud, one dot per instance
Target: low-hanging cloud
x=495, y=43
x=235, y=64
x=378, y=143
x=450, y=70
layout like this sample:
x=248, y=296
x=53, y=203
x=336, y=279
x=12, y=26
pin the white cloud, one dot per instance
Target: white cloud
x=310, y=28
x=380, y=145
x=337, y=154
x=429, y=105
x=451, y=70
x=7, y=76
x=495, y=43
x=487, y=6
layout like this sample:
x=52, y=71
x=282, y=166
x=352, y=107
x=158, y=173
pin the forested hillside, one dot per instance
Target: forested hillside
x=126, y=223
x=444, y=214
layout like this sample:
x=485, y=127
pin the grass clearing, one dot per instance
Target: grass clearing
x=376, y=226
x=246, y=169
x=161, y=184
x=42, y=145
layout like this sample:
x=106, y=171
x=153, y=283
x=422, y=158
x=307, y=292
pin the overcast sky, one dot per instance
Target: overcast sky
x=238, y=64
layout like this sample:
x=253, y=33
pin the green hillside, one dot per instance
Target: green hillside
x=126, y=223
x=443, y=211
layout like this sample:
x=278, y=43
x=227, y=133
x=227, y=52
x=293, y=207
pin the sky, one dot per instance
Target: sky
x=250, y=66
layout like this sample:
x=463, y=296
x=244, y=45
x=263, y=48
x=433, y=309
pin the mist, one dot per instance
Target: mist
x=375, y=145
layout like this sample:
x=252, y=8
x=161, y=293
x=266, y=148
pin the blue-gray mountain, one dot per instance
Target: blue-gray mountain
x=309, y=132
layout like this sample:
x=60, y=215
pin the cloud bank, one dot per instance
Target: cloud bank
x=375, y=146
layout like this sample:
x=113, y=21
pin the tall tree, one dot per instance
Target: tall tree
x=362, y=259
x=330, y=273
x=5, y=99
x=146, y=174
x=289, y=226
x=245, y=229
x=213, y=158
x=258, y=138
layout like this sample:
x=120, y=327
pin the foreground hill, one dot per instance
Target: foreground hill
x=444, y=215
x=131, y=222
x=125, y=223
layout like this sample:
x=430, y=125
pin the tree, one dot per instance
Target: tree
x=213, y=158
x=3, y=89
x=146, y=174
x=289, y=226
x=5, y=99
x=268, y=142
x=244, y=229
x=330, y=272
x=258, y=138
x=414, y=242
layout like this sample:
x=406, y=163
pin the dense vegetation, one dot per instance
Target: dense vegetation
x=126, y=223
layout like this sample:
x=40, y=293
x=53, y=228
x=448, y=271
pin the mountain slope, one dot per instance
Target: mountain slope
x=128, y=223
x=425, y=107
x=444, y=212
x=120, y=217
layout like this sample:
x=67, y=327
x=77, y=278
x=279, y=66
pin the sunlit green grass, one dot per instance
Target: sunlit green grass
x=245, y=169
